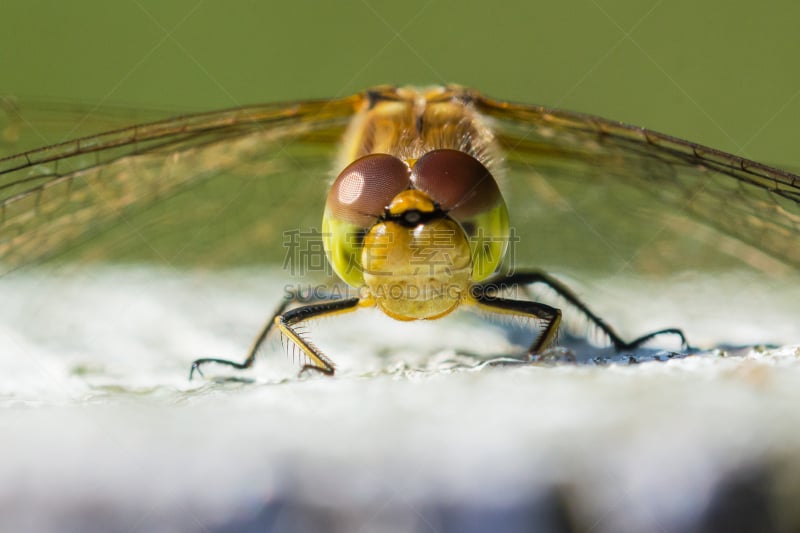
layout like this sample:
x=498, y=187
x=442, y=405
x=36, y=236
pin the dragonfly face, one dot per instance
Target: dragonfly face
x=416, y=210
x=415, y=233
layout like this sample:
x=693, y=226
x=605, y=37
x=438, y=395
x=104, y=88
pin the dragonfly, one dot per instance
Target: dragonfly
x=431, y=188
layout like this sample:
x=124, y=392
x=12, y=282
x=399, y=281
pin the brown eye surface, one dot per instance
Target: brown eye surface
x=364, y=189
x=458, y=182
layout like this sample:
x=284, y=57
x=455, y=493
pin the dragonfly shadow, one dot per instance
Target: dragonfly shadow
x=581, y=350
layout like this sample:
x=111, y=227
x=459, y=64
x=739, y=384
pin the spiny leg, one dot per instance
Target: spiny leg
x=254, y=347
x=262, y=335
x=525, y=279
x=550, y=315
x=289, y=324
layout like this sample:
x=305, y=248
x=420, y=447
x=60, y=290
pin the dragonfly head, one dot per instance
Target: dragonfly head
x=416, y=234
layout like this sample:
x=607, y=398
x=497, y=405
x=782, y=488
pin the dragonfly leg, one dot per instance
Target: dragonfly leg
x=286, y=321
x=644, y=339
x=550, y=315
x=526, y=280
x=289, y=321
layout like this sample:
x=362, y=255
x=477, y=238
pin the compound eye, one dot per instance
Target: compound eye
x=363, y=190
x=456, y=181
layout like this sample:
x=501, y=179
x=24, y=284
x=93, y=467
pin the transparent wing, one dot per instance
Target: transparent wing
x=28, y=123
x=612, y=197
x=51, y=197
x=584, y=191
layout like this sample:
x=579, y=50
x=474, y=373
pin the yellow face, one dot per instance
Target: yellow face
x=415, y=236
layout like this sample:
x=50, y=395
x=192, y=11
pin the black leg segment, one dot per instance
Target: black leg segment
x=286, y=322
x=525, y=280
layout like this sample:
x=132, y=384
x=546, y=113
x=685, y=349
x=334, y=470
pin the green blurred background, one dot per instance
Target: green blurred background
x=721, y=73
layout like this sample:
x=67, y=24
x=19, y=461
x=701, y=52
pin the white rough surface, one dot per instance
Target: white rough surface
x=101, y=425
